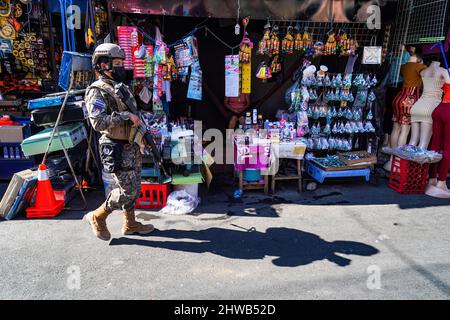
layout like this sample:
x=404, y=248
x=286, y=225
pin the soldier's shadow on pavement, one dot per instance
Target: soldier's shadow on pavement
x=289, y=247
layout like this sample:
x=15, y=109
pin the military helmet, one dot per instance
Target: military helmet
x=108, y=50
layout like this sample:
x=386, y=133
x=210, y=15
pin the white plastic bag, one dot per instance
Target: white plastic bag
x=180, y=202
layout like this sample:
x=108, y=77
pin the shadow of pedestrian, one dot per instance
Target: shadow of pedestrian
x=290, y=247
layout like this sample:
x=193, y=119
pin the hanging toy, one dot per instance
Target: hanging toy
x=287, y=45
x=275, y=65
x=245, y=50
x=318, y=49
x=353, y=46
x=274, y=47
x=330, y=46
x=307, y=40
x=169, y=69
x=264, y=43
x=344, y=44
x=298, y=42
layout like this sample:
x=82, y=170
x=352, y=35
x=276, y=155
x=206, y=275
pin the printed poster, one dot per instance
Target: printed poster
x=232, y=76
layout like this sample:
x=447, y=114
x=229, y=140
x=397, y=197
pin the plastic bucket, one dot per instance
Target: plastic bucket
x=108, y=182
x=252, y=175
x=191, y=188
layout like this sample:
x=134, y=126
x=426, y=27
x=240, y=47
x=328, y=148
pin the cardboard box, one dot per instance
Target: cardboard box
x=12, y=134
x=15, y=192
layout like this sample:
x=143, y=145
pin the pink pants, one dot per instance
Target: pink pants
x=441, y=140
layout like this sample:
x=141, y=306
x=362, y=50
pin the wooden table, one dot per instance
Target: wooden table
x=297, y=176
x=289, y=150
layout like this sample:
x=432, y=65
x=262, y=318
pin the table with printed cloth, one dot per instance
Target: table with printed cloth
x=252, y=155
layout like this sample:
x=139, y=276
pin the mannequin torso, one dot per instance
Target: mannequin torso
x=433, y=79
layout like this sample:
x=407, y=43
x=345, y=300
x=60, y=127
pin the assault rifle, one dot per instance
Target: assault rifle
x=124, y=93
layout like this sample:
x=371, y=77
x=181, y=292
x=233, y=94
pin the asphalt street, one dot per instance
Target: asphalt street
x=349, y=241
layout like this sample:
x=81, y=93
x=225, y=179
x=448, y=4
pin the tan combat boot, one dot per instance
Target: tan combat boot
x=130, y=226
x=97, y=220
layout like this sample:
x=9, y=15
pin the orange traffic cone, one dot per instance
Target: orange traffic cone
x=45, y=205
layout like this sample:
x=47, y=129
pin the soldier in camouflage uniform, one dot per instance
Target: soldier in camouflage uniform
x=110, y=116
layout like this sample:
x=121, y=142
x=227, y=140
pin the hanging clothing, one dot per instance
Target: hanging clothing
x=430, y=99
x=441, y=140
x=351, y=64
x=379, y=106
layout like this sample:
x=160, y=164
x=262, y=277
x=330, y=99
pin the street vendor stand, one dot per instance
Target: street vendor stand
x=252, y=155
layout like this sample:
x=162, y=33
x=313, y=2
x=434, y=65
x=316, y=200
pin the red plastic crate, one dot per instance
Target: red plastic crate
x=153, y=196
x=408, y=177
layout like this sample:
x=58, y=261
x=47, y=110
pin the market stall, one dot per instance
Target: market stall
x=305, y=96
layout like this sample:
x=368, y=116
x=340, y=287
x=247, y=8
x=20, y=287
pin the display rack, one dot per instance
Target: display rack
x=358, y=30
x=418, y=21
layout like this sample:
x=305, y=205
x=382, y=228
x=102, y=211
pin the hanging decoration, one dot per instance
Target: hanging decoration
x=287, y=45
x=263, y=71
x=275, y=64
x=274, y=47
x=170, y=69
x=159, y=60
x=245, y=58
x=264, y=44
x=195, y=82
x=330, y=46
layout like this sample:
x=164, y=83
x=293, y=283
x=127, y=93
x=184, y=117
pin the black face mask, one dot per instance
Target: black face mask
x=119, y=74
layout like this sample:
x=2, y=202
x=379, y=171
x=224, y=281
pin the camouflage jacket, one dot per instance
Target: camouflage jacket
x=105, y=114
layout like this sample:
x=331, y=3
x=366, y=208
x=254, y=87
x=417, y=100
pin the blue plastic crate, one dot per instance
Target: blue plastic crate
x=48, y=102
x=150, y=173
x=72, y=61
x=320, y=175
x=23, y=120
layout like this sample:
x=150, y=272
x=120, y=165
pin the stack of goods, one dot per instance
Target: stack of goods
x=12, y=133
x=24, y=56
x=31, y=56
x=338, y=109
x=45, y=110
x=143, y=61
x=128, y=38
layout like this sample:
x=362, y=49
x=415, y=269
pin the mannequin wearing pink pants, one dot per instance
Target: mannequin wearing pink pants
x=437, y=186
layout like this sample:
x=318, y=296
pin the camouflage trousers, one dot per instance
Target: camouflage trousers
x=128, y=180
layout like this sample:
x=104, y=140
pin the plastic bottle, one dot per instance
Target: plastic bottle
x=282, y=122
x=5, y=152
x=18, y=155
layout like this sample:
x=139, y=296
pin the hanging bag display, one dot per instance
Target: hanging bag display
x=372, y=54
